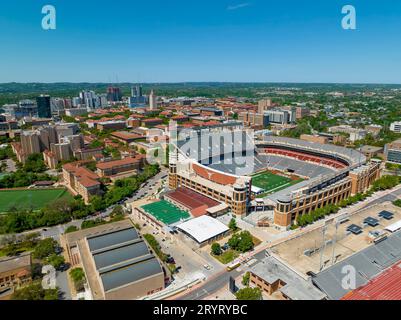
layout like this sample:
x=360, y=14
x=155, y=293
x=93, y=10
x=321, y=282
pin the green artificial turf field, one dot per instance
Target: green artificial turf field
x=30, y=198
x=166, y=212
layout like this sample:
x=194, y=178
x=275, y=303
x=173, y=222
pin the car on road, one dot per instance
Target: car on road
x=207, y=267
x=170, y=260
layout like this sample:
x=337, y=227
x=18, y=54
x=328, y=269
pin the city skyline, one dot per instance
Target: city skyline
x=228, y=41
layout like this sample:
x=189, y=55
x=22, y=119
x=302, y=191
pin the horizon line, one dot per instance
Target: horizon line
x=185, y=82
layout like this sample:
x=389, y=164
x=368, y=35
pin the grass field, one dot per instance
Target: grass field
x=165, y=212
x=227, y=256
x=29, y=199
x=271, y=182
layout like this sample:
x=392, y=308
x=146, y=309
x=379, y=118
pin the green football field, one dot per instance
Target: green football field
x=29, y=199
x=165, y=212
x=270, y=182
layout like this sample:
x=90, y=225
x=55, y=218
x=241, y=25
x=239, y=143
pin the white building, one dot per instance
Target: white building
x=396, y=127
x=152, y=101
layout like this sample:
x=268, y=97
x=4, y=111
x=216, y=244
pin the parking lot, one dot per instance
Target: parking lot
x=293, y=251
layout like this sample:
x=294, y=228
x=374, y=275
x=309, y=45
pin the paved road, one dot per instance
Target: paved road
x=62, y=283
x=218, y=281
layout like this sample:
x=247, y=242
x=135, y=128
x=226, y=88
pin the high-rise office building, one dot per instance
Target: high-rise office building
x=28, y=108
x=44, y=107
x=114, y=94
x=76, y=102
x=136, y=91
x=137, y=98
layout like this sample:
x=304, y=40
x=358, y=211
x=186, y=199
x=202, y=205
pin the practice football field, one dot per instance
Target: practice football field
x=166, y=212
x=29, y=199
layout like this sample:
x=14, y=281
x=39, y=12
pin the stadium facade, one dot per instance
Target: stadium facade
x=219, y=162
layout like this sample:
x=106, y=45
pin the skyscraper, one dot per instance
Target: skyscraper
x=137, y=98
x=114, y=94
x=152, y=101
x=44, y=108
x=136, y=91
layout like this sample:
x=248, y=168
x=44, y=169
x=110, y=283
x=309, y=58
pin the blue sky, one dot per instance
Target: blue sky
x=201, y=40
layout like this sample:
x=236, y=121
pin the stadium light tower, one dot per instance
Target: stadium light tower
x=337, y=223
x=323, y=247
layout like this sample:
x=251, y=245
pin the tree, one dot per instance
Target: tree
x=249, y=294
x=117, y=214
x=35, y=292
x=233, y=225
x=154, y=244
x=71, y=229
x=234, y=241
x=45, y=248
x=92, y=223
x=242, y=242
x=245, y=279
x=246, y=242
x=35, y=163
x=216, y=249
x=397, y=203
x=78, y=277
x=57, y=261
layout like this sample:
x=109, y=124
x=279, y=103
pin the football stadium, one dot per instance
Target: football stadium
x=275, y=177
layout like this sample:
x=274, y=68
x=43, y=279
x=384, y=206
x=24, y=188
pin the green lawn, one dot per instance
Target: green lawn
x=30, y=199
x=227, y=256
x=271, y=182
x=166, y=212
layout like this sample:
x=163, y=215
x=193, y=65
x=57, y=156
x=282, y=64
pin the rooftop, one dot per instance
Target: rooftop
x=192, y=199
x=295, y=288
x=12, y=263
x=117, y=163
x=121, y=257
x=203, y=228
x=384, y=287
x=126, y=135
x=85, y=176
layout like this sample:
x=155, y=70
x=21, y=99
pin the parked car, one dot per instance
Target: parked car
x=225, y=247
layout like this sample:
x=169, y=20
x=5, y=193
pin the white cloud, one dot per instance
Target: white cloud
x=238, y=6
